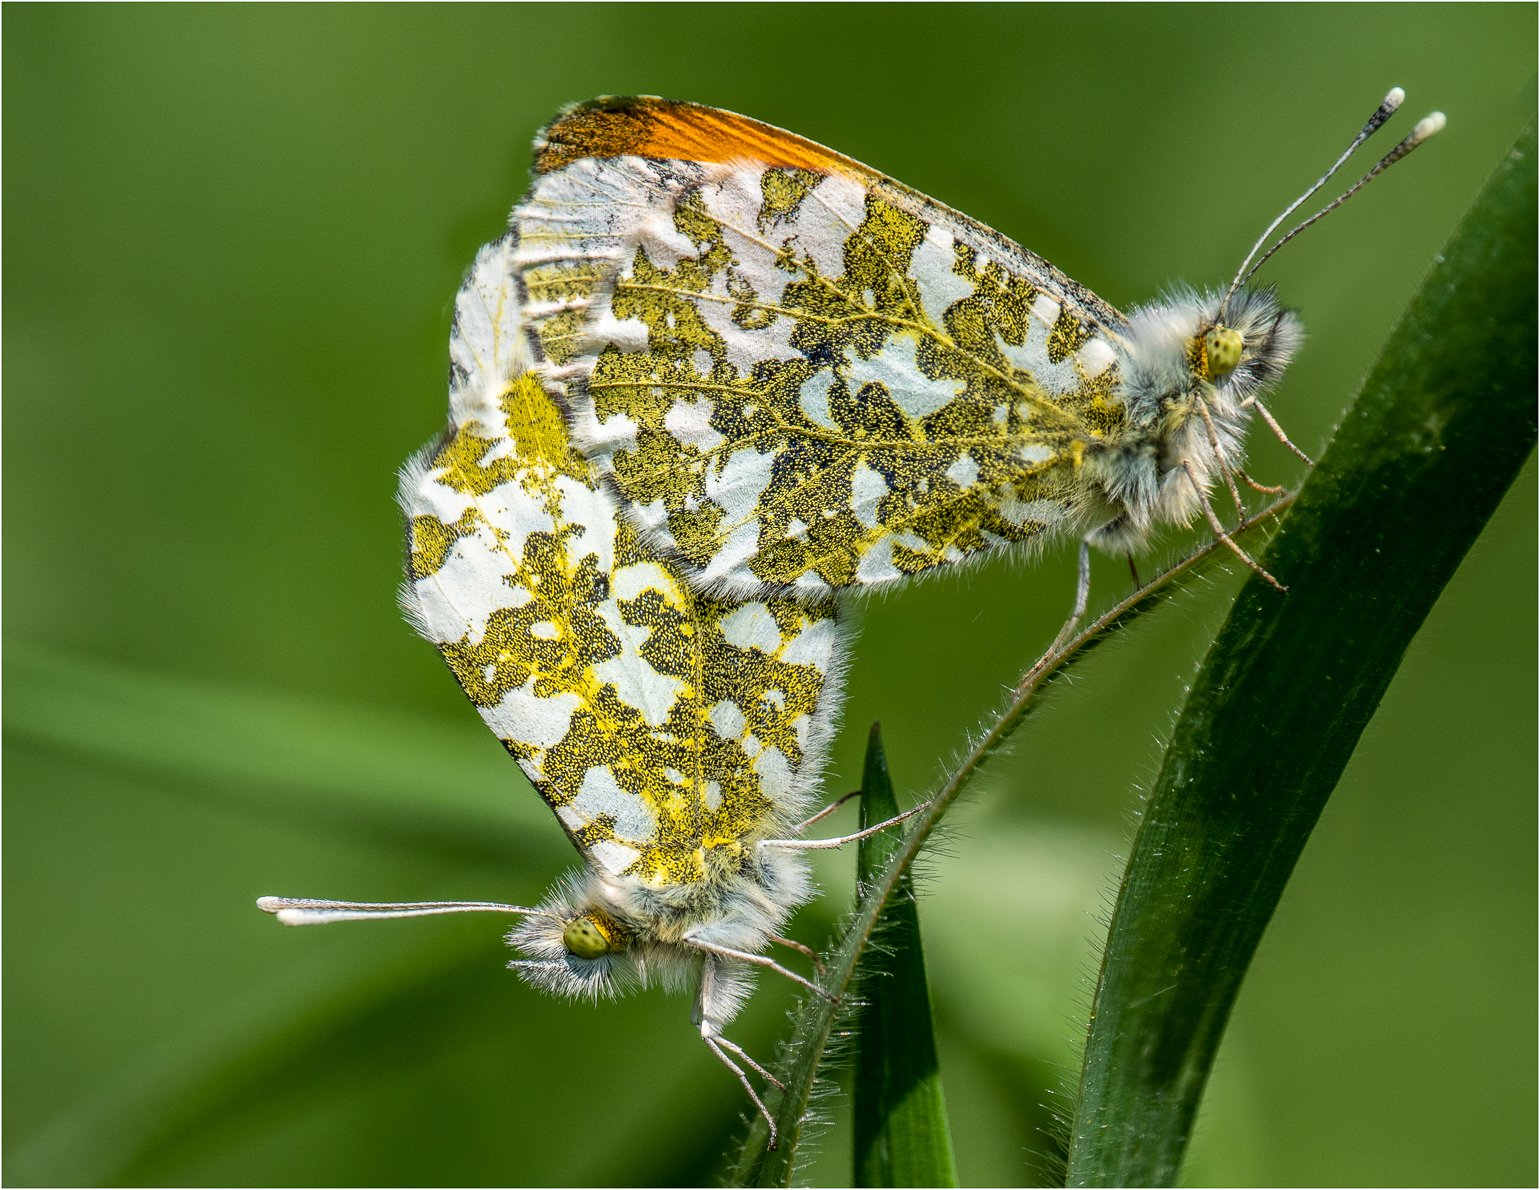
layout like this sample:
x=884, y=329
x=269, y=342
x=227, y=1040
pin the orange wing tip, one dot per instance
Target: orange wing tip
x=668, y=130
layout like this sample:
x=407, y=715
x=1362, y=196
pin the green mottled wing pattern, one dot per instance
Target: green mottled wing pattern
x=795, y=372
x=669, y=730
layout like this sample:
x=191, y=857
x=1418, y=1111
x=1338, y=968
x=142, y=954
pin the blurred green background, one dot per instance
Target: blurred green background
x=233, y=236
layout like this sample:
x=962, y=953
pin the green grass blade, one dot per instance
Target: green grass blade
x=1438, y=434
x=902, y=1137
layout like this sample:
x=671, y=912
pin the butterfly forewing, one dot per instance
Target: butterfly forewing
x=796, y=371
x=666, y=728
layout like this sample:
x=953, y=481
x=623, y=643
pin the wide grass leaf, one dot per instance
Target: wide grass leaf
x=1440, y=431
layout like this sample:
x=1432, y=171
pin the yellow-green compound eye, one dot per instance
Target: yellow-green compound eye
x=584, y=939
x=1222, y=351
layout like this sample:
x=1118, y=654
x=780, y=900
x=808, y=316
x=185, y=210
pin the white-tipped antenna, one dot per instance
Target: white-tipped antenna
x=1382, y=113
x=1426, y=127
x=1386, y=109
x=307, y=911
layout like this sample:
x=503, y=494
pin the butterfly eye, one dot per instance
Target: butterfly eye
x=584, y=938
x=1221, y=351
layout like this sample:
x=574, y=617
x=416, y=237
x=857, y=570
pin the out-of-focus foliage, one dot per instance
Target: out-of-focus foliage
x=232, y=239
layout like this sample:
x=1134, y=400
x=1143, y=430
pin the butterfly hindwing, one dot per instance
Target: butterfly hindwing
x=665, y=728
x=795, y=371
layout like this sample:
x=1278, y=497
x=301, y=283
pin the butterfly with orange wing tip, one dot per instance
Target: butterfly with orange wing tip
x=802, y=375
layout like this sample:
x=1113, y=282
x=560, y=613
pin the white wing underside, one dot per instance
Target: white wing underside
x=582, y=649
x=596, y=235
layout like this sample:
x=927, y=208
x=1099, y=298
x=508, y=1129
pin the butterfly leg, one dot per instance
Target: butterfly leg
x=1267, y=489
x=1219, y=531
x=760, y=960
x=1272, y=424
x=1082, y=598
x=738, y=1052
x=716, y=1000
x=824, y=813
x=1219, y=457
x=841, y=840
x=717, y=1045
x=793, y=944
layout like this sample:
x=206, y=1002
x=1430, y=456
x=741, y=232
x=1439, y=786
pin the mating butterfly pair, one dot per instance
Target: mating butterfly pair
x=714, y=377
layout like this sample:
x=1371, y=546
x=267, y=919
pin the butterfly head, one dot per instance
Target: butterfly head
x=1184, y=350
x=594, y=935
x=1193, y=368
x=1237, y=351
x=575, y=945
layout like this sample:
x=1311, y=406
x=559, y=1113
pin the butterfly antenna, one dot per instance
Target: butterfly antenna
x=1426, y=127
x=1382, y=113
x=307, y=911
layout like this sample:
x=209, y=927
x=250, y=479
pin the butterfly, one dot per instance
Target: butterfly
x=714, y=376
x=801, y=375
x=677, y=736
